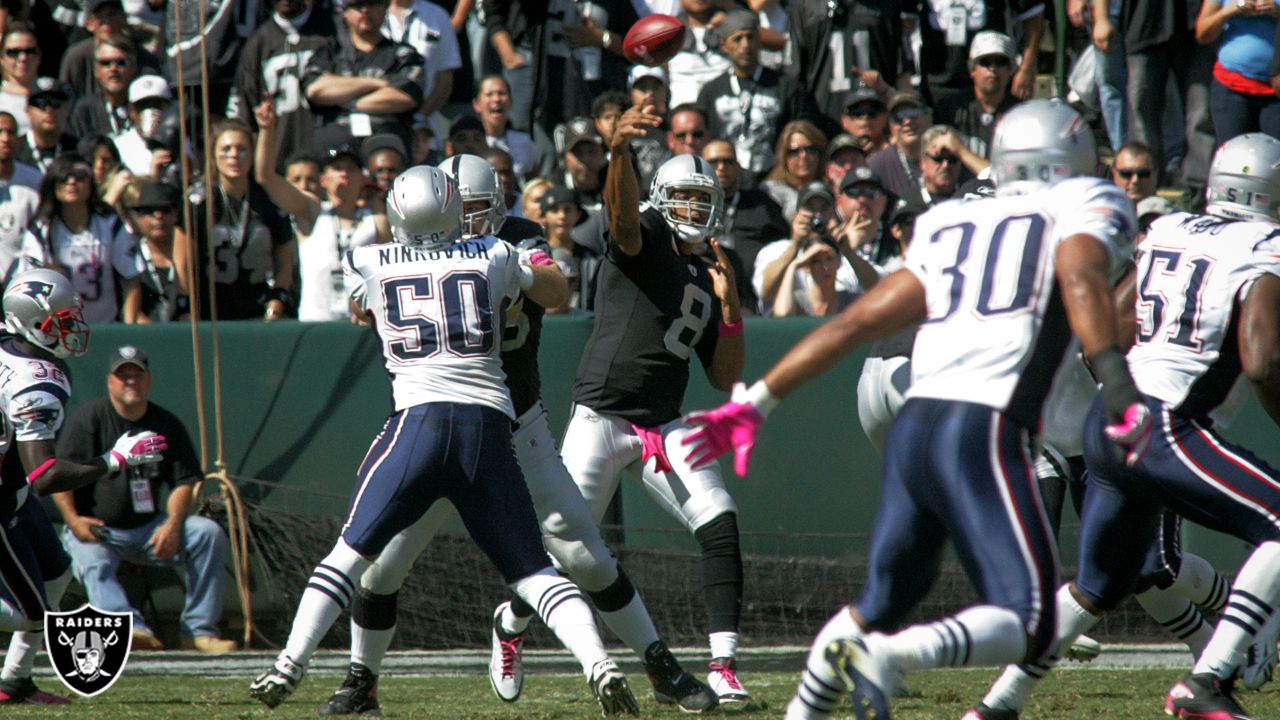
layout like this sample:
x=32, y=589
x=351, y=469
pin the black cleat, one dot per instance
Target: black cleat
x=672, y=685
x=358, y=695
x=1202, y=696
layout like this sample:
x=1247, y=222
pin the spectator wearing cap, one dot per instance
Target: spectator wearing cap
x=866, y=119
x=18, y=201
x=325, y=227
x=149, y=97
x=844, y=153
x=12, y=172
x=1148, y=211
x=466, y=136
x=861, y=204
x=584, y=162
x=1134, y=170
x=751, y=218
x=126, y=517
x=992, y=60
x=815, y=222
x=562, y=221
x=48, y=107
x=427, y=28
x=898, y=164
x=492, y=104
x=699, y=61
x=749, y=103
x=364, y=84
x=272, y=63
x=104, y=108
x=154, y=214
x=384, y=158
x=648, y=86
x=19, y=68
x=103, y=19
x=802, y=154
x=948, y=29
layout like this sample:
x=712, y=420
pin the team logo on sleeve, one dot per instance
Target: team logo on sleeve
x=88, y=648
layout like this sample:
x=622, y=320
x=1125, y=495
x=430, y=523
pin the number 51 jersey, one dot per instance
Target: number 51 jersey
x=996, y=328
x=439, y=314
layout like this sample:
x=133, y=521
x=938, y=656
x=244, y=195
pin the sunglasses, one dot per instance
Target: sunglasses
x=991, y=62
x=43, y=103
x=717, y=162
x=77, y=176
x=802, y=150
x=863, y=192
x=864, y=111
x=914, y=113
x=1128, y=173
x=690, y=135
x=944, y=158
x=19, y=52
x=153, y=209
x=110, y=63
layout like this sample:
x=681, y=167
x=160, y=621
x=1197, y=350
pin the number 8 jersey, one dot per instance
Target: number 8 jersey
x=439, y=315
x=994, y=308
x=1192, y=271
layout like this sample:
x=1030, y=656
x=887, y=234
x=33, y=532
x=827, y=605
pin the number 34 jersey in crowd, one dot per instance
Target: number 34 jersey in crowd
x=1192, y=271
x=994, y=307
x=439, y=315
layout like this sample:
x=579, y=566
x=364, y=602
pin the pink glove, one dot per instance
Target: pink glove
x=136, y=448
x=732, y=426
x=653, y=448
x=1133, y=433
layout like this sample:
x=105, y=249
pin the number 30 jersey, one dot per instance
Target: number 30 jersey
x=439, y=314
x=1192, y=272
x=652, y=312
x=997, y=329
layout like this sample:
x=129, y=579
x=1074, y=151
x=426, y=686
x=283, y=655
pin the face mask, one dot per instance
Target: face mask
x=149, y=122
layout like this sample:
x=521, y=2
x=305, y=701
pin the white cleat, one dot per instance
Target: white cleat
x=869, y=676
x=610, y=688
x=506, y=660
x=1260, y=661
x=273, y=686
x=724, y=682
x=1083, y=649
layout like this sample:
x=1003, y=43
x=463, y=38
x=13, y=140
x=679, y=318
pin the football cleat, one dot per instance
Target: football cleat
x=869, y=677
x=278, y=683
x=1202, y=696
x=610, y=688
x=723, y=680
x=506, y=660
x=23, y=691
x=1260, y=661
x=358, y=695
x=672, y=685
x=982, y=712
x=1083, y=649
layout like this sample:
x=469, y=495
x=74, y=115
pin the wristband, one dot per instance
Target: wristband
x=524, y=276
x=759, y=397
x=44, y=468
x=113, y=461
x=731, y=329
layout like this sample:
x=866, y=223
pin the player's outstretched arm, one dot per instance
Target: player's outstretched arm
x=731, y=348
x=1259, y=342
x=550, y=288
x=48, y=474
x=622, y=187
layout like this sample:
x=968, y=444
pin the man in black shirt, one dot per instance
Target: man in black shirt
x=992, y=60
x=658, y=303
x=104, y=108
x=48, y=106
x=751, y=218
x=120, y=517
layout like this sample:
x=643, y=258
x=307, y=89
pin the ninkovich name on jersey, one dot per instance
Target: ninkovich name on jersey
x=33, y=395
x=523, y=335
x=652, y=312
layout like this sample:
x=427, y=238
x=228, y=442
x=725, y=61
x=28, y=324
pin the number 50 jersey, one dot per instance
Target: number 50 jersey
x=439, y=314
x=996, y=329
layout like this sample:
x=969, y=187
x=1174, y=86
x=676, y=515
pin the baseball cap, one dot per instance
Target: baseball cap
x=145, y=87
x=904, y=209
x=156, y=195
x=382, y=141
x=991, y=42
x=556, y=195
x=843, y=141
x=812, y=190
x=51, y=88
x=346, y=149
x=644, y=71
x=860, y=95
x=736, y=20
x=464, y=123
x=1154, y=205
x=580, y=130
x=96, y=7
x=128, y=355
x=906, y=98
x=861, y=175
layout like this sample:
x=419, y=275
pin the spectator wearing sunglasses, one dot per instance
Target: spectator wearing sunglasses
x=1134, y=170
x=801, y=153
x=104, y=19
x=751, y=218
x=19, y=66
x=866, y=119
x=993, y=58
x=898, y=164
x=103, y=109
x=48, y=107
x=688, y=131
x=941, y=166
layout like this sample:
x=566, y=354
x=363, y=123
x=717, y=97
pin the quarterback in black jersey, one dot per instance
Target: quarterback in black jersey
x=658, y=303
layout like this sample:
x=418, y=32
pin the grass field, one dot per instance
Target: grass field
x=1072, y=693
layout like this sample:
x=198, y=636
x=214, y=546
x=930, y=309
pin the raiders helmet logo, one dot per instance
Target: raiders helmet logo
x=88, y=648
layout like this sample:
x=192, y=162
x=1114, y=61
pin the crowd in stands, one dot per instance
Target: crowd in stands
x=830, y=125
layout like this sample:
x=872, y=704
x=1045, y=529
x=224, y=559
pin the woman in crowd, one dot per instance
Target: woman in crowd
x=154, y=208
x=800, y=152
x=821, y=261
x=78, y=235
x=1241, y=99
x=111, y=177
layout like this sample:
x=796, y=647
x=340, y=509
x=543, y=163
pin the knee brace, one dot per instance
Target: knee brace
x=374, y=611
x=615, y=596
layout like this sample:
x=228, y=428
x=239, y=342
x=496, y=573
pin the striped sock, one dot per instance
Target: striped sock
x=560, y=605
x=1252, y=603
x=328, y=593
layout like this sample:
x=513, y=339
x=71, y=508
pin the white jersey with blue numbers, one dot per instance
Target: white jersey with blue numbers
x=996, y=327
x=1192, y=270
x=33, y=396
x=439, y=315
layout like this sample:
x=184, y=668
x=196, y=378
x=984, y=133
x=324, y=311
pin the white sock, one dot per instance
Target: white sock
x=369, y=647
x=13, y=619
x=1178, y=615
x=724, y=645
x=820, y=687
x=328, y=593
x=1012, y=690
x=560, y=605
x=1252, y=602
x=632, y=625
x=512, y=623
x=21, y=658
x=1200, y=583
x=977, y=636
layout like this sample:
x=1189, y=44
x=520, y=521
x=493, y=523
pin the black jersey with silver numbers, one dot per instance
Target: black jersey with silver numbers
x=652, y=311
x=523, y=334
x=246, y=233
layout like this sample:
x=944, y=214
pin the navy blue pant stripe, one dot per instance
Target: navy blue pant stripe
x=23, y=584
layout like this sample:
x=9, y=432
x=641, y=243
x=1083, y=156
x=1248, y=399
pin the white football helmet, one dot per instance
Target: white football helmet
x=1039, y=143
x=691, y=220
x=478, y=181
x=1244, y=179
x=42, y=306
x=424, y=208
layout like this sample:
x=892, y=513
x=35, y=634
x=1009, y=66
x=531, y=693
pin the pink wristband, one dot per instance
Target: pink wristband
x=731, y=329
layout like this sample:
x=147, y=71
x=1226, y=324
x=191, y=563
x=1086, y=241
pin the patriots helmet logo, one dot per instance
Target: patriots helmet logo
x=36, y=290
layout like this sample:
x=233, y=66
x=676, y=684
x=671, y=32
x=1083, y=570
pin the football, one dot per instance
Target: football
x=653, y=40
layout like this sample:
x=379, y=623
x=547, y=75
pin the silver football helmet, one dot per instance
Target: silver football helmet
x=1039, y=143
x=42, y=306
x=424, y=208
x=478, y=181
x=1244, y=179
x=691, y=220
